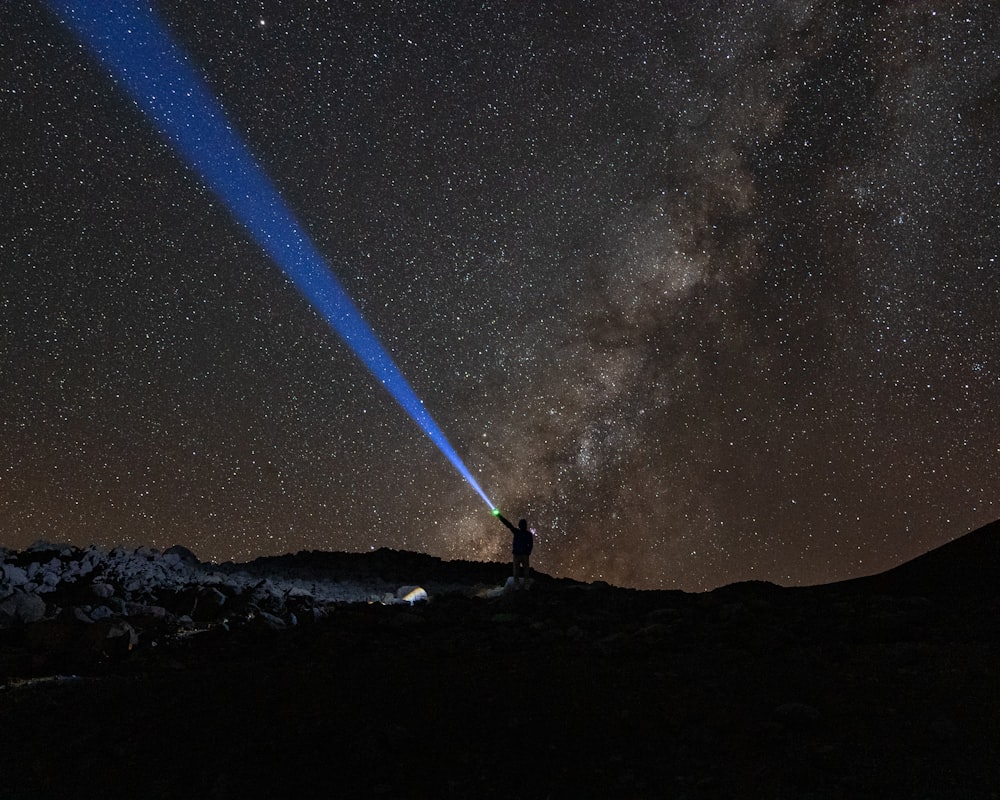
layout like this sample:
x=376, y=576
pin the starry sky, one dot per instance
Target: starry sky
x=707, y=291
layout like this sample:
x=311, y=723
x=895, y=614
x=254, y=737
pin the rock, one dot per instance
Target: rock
x=271, y=621
x=183, y=554
x=209, y=606
x=179, y=602
x=21, y=608
x=102, y=590
x=143, y=610
x=43, y=546
x=13, y=575
x=120, y=638
x=50, y=579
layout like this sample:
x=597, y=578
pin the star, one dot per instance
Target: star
x=706, y=295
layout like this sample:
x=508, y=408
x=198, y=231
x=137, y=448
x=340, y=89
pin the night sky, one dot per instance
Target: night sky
x=706, y=291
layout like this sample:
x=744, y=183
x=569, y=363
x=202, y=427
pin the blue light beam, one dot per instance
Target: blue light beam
x=138, y=51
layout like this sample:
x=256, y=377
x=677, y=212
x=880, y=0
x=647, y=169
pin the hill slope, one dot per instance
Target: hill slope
x=969, y=564
x=565, y=690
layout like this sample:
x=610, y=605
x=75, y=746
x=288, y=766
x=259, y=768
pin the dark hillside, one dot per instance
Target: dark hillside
x=565, y=690
x=968, y=565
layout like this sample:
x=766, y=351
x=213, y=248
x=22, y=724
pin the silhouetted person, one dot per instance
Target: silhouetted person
x=521, y=546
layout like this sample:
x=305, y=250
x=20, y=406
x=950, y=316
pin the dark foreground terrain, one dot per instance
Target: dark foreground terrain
x=886, y=687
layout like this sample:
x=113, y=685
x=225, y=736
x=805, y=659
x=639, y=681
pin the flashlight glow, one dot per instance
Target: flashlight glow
x=138, y=51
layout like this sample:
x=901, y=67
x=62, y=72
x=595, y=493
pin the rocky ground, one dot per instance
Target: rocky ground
x=310, y=675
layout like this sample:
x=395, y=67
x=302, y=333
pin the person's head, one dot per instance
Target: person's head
x=523, y=524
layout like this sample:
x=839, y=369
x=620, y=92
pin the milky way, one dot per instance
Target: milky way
x=707, y=293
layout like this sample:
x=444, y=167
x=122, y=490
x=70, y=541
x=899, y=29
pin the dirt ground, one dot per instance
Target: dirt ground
x=566, y=690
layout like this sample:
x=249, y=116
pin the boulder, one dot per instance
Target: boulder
x=102, y=590
x=209, y=606
x=143, y=610
x=13, y=575
x=50, y=580
x=21, y=608
x=271, y=621
x=179, y=602
x=183, y=554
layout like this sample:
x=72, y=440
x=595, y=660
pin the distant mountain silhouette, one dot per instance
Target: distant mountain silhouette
x=967, y=565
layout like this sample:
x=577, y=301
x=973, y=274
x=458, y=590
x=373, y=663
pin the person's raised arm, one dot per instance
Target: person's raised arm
x=504, y=520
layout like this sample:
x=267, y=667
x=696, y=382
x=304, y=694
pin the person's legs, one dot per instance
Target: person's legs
x=520, y=569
